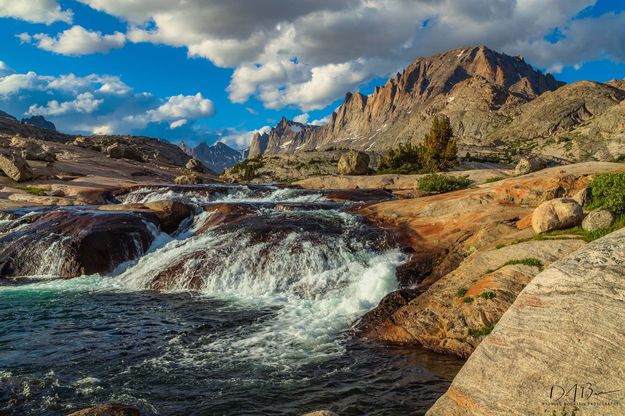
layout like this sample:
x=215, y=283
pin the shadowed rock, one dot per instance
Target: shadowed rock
x=70, y=244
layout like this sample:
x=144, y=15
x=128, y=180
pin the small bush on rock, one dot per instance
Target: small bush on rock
x=608, y=191
x=530, y=261
x=442, y=183
x=478, y=332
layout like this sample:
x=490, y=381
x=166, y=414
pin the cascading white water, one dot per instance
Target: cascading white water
x=218, y=193
x=320, y=283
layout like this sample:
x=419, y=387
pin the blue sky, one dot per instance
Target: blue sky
x=234, y=67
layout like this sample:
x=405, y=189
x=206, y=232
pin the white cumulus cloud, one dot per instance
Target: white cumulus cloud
x=75, y=41
x=84, y=103
x=308, y=53
x=302, y=118
x=241, y=139
x=98, y=103
x=35, y=11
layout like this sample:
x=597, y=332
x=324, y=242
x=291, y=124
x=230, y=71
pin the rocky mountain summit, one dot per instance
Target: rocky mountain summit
x=39, y=121
x=217, y=157
x=498, y=105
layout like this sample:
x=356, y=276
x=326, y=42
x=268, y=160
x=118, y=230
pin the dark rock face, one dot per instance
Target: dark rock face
x=108, y=409
x=71, y=244
x=170, y=213
x=122, y=151
x=39, y=121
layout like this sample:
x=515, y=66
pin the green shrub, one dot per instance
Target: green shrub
x=247, y=168
x=438, y=152
x=494, y=179
x=461, y=292
x=467, y=299
x=587, y=236
x=478, y=332
x=607, y=191
x=442, y=183
x=406, y=159
x=33, y=190
x=487, y=294
x=530, y=261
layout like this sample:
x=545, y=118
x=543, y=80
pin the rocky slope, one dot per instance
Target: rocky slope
x=217, y=157
x=59, y=169
x=498, y=105
x=561, y=339
x=463, y=244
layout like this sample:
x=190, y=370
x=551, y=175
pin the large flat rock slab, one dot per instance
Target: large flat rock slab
x=560, y=346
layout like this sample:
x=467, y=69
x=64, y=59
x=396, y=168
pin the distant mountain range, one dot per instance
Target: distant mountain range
x=497, y=104
x=216, y=157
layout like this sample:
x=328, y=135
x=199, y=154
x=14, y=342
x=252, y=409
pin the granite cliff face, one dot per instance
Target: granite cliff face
x=497, y=104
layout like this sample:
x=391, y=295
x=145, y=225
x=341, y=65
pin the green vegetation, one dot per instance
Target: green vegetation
x=247, y=168
x=498, y=246
x=467, y=299
x=438, y=152
x=33, y=190
x=494, y=179
x=529, y=261
x=607, y=191
x=478, y=332
x=442, y=183
x=587, y=236
x=461, y=292
x=487, y=294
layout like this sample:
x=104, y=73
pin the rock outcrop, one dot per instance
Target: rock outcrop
x=557, y=349
x=455, y=313
x=353, y=162
x=123, y=151
x=557, y=214
x=188, y=180
x=258, y=145
x=529, y=164
x=597, y=220
x=15, y=167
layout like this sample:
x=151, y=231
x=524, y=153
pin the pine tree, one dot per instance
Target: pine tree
x=440, y=150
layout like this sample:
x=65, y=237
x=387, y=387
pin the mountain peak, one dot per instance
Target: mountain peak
x=475, y=86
